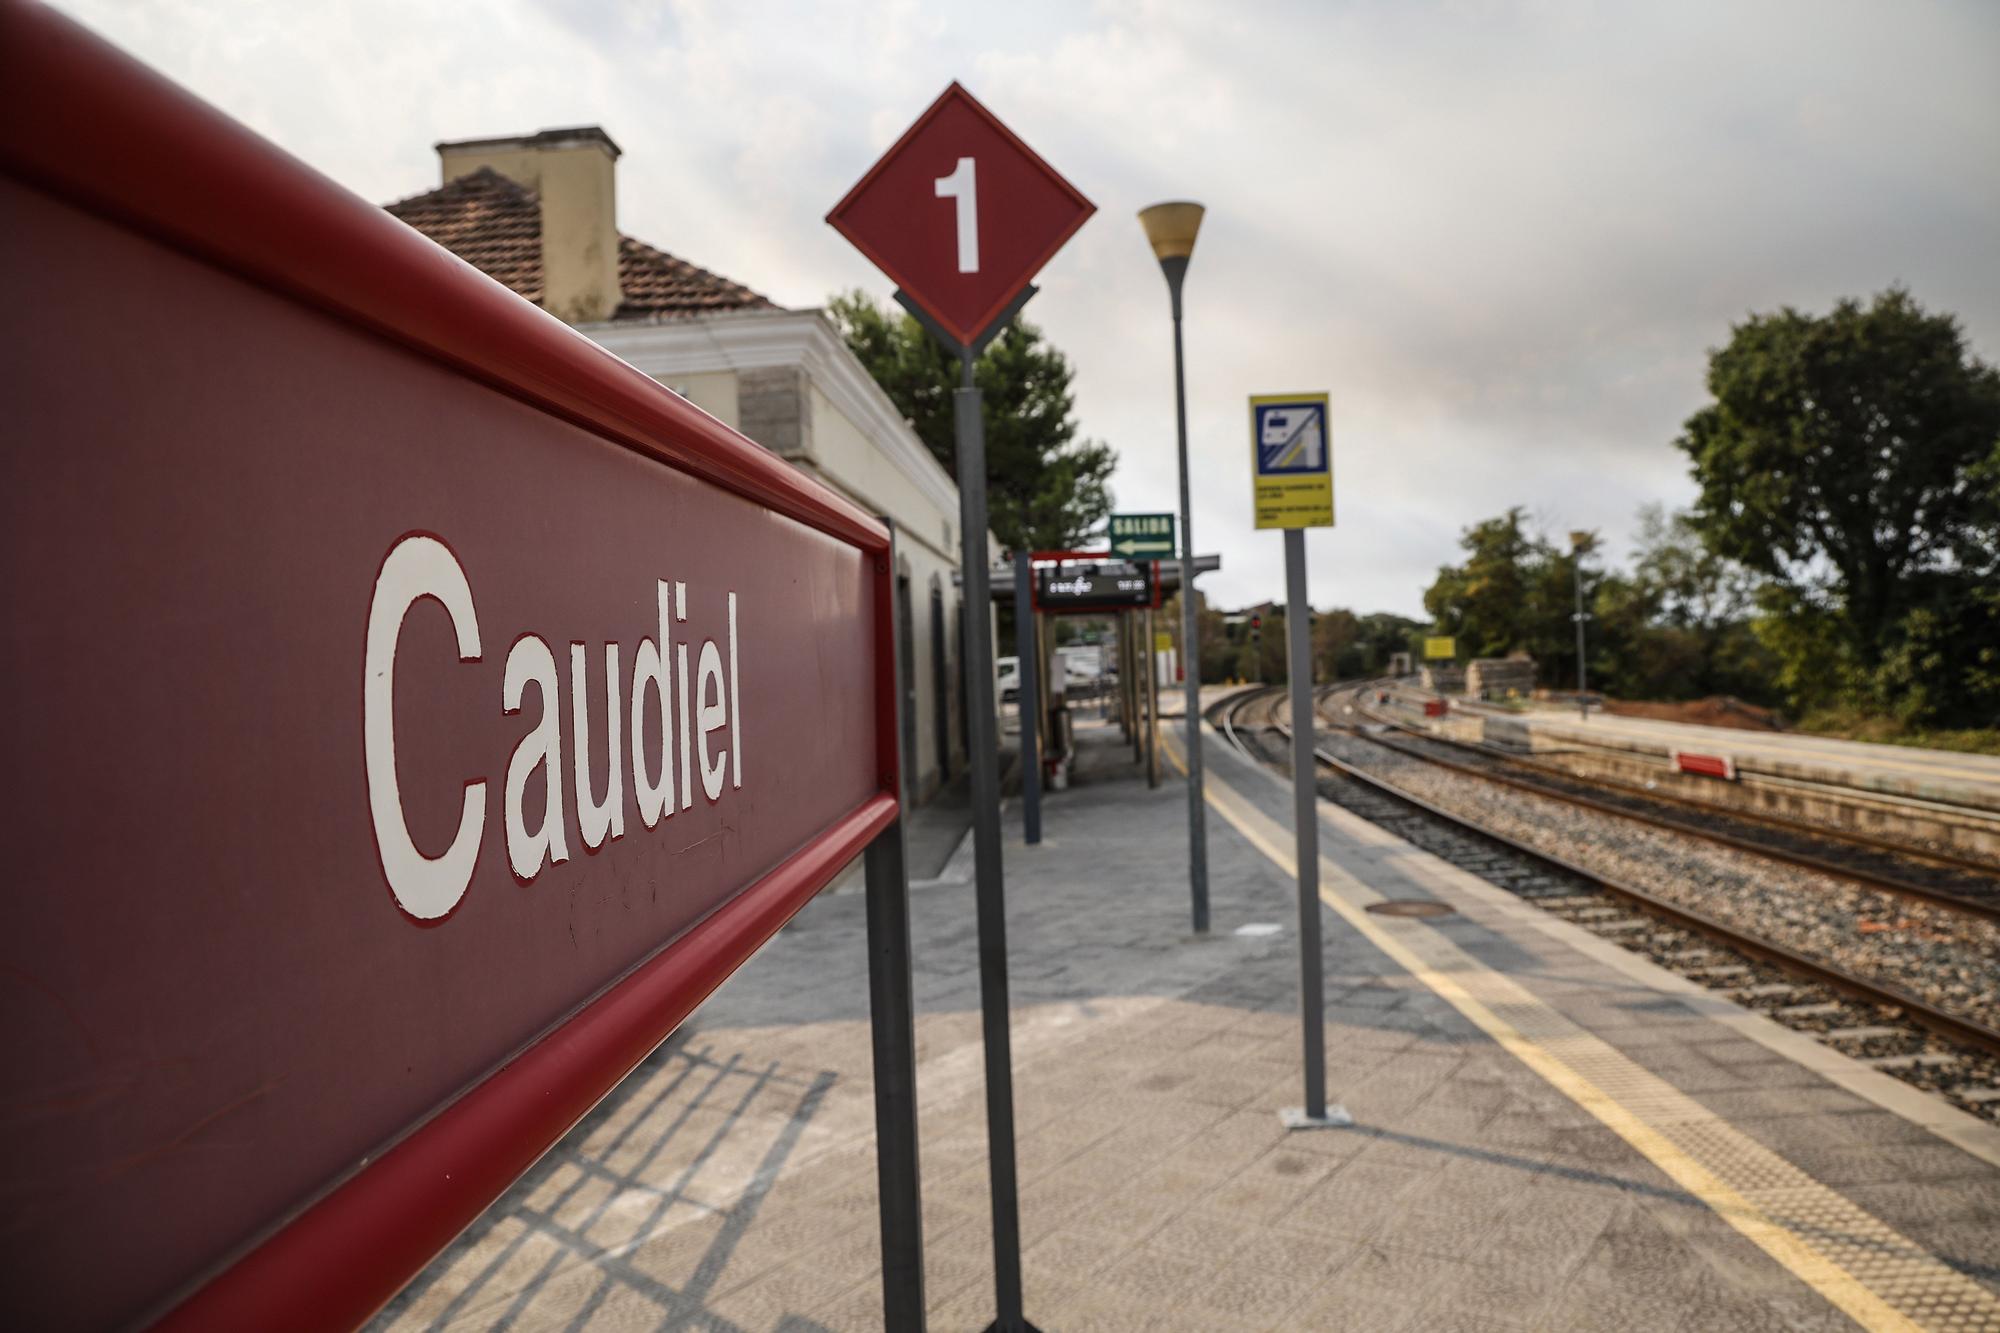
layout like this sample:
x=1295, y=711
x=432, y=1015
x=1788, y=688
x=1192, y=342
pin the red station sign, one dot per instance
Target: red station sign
x=405, y=722
x=961, y=214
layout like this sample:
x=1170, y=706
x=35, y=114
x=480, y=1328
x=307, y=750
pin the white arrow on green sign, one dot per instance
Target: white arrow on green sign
x=1143, y=536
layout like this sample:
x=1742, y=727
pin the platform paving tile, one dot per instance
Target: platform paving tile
x=730, y=1184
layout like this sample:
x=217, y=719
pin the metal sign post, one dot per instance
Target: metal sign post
x=1028, y=700
x=1580, y=544
x=1293, y=464
x=991, y=907
x=961, y=214
x=1132, y=622
x=1152, y=719
x=893, y=1030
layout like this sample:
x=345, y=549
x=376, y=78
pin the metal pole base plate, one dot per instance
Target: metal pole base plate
x=1023, y=1327
x=1295, y=1117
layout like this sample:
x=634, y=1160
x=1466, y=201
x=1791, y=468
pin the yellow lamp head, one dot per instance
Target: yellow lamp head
x=1171, y=228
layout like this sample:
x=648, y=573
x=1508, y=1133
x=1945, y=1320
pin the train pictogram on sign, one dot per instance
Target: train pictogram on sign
x=1291, y=439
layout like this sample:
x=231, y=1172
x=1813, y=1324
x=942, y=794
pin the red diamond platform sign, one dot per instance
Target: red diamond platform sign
x=961, y=214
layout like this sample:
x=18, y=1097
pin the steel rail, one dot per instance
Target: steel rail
x=1955, y=1026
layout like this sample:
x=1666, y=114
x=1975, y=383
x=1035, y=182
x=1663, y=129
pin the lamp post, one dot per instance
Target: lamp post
x=1171, y=228
x=1579, y=542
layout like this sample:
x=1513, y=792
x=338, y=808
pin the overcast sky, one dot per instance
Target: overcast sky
x=1503, y=237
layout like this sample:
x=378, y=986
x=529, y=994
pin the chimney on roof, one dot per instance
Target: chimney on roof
x=575, y=173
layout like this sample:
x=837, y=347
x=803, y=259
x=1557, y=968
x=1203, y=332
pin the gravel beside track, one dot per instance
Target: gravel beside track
x=1936, y=954
x=1905, y=855
x=1932, y=952
x=1977, y=889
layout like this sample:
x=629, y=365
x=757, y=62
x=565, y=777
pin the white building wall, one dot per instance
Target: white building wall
x=713, y=391
x=785, y=379
x=926, y=547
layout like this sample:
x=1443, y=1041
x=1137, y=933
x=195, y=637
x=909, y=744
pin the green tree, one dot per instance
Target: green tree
x=1853, y=461
x=1691, y=585
x=1273, y=646
x=1218, y=648
x=1351, y=647
x=1511, y=594
x=1334, y=635
x=1693, y=635
x=1379, y=637
x=1046, y=488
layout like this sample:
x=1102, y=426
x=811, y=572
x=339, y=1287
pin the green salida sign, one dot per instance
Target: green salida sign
x=1143, y=536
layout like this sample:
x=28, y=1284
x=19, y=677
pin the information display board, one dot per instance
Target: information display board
x=1113, y=586
x=409, y=691
x=1291, y=454
x=1143, y=536
x=1440, y=648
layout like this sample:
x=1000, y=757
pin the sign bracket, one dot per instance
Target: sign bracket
x=979, y=344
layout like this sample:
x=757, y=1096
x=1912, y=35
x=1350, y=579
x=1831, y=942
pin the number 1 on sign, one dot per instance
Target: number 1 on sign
x=963, y=185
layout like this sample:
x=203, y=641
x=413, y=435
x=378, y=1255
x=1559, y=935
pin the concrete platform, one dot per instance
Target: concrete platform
x=1969, y=781
x=1550, y=1133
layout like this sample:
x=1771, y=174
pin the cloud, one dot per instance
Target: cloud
x=1502, y=237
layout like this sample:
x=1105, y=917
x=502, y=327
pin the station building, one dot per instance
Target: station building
x=539, y=214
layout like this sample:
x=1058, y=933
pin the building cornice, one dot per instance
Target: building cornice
x=760, y=339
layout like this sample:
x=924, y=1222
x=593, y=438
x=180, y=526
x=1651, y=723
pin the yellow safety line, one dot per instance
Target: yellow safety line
x=1919, y=1277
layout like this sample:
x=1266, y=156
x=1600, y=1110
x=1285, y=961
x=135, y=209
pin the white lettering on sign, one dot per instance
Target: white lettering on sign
x=531, y=660
x=649, y=671
x=418, y=567
x=428, y=888
x=963, y=185
x=596, y=818
x=1083, y=583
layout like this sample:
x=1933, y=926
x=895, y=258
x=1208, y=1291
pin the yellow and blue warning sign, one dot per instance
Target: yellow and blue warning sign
x=1291, y=460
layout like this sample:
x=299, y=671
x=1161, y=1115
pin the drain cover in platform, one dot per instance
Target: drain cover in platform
x=1409, y=907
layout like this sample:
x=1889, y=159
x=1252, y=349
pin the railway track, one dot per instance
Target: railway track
x=1923, y=1040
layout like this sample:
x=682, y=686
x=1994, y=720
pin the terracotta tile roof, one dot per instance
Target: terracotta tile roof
x=495, y=225
x=657, y=285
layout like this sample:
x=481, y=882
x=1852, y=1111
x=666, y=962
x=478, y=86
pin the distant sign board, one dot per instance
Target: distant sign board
x=1143, y=536
x=1441, y=648
x=961, y=214
x=1706, y=765
x=428, y=710
x=1114, y=586
x=1291, y=449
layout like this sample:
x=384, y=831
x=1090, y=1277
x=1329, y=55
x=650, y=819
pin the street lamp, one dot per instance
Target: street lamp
x=1579, y=542
x=1171, y=228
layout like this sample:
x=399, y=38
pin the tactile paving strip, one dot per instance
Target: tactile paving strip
x=1873, y=1273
